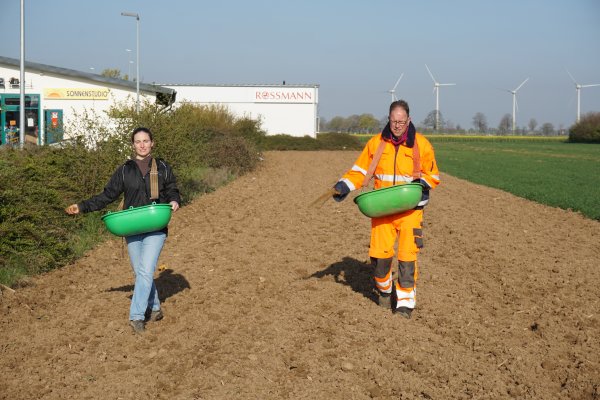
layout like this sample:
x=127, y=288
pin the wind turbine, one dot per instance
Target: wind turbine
x=515, y=106
x=436, y=89
x=578, y=88
x=393, y=90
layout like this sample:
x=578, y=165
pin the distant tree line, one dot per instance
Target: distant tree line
x=364, y=123
x=367, y=123
x=505, y=126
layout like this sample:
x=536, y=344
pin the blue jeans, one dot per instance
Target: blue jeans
x=144, y=250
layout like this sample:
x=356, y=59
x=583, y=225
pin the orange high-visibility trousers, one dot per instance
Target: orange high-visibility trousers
x=385, y=230
x=407, y=229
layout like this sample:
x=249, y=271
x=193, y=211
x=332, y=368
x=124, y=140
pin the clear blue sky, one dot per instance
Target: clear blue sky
x=355, y=50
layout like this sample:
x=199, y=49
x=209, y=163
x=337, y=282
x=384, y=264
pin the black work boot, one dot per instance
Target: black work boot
x=403, y=312
x=385, y=300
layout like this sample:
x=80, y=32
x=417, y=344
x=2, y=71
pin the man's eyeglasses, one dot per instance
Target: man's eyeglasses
x=399, y=123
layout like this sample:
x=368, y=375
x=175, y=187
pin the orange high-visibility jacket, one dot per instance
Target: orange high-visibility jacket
x=395, y=166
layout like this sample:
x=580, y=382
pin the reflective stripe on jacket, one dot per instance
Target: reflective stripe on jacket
x=395, y=166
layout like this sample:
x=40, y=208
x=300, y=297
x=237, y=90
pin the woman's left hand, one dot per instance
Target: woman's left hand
x=174, y=205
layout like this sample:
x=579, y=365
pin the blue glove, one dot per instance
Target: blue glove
x=342, y=191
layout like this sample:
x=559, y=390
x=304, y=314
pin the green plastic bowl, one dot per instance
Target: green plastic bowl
x=136, y=220
x=390, y=200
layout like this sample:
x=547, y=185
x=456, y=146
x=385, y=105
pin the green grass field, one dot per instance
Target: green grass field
x=546, y=170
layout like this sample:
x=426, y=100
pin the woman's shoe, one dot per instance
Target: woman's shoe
x=138, y=326
x=156, y=316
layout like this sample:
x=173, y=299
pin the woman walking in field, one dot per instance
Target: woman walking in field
x=402, y=156
x=133, y=178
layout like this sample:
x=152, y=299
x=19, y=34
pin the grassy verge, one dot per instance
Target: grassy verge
x=555, y=173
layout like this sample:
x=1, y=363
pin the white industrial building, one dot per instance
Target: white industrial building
x=55, y=96
x=282, y=109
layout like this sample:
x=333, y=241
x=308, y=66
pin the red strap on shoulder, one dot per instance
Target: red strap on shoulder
x=416, y=161
x=374, y=163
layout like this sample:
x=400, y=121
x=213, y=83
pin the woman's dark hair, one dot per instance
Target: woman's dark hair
x=141, y=129
x=402, y=104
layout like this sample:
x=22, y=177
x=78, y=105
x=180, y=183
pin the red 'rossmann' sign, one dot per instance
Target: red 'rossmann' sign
x=274, y=95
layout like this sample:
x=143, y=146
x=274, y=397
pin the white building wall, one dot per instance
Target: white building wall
x=282, y=109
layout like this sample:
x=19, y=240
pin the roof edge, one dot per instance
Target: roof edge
x=33, y=66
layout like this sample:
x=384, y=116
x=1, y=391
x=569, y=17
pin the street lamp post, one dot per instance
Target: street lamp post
x=137, y=63
x=22, y=80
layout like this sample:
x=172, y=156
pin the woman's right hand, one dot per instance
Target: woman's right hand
x=72, y=209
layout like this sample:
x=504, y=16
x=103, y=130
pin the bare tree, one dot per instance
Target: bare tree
x=322, y=123
x=111, y=73
x=547, y=129
x=505, y=124
x=336, y=124
x=429, y=121
x=532, y=124
x=367, y=123
x=351, y=123
x=480, y=122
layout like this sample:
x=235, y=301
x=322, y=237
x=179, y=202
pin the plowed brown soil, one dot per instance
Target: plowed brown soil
x=266, y=297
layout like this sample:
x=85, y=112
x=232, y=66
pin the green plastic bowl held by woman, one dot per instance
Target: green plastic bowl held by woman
x=138, y=220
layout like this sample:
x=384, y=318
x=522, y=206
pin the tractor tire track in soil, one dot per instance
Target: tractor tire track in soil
x=266, y=297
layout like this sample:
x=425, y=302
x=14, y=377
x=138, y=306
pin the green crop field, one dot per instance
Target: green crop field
x=546, y=170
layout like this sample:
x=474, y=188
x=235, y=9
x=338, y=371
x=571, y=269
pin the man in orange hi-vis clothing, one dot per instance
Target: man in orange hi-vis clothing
x=405, y=156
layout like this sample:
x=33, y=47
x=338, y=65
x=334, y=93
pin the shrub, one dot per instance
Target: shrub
x=587, y=130
x=324, y=141
x=35, y=185
x=286, y=142
x=339, y=141
x=206, y=146
x=234, y=153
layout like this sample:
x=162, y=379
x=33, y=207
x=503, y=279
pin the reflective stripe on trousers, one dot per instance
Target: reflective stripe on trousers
x=382, y=274
x=406, y=292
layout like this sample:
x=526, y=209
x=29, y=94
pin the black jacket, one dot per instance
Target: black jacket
x=128, y=179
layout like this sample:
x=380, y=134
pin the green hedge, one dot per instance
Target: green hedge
x=206, y=146
x=324, y=141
